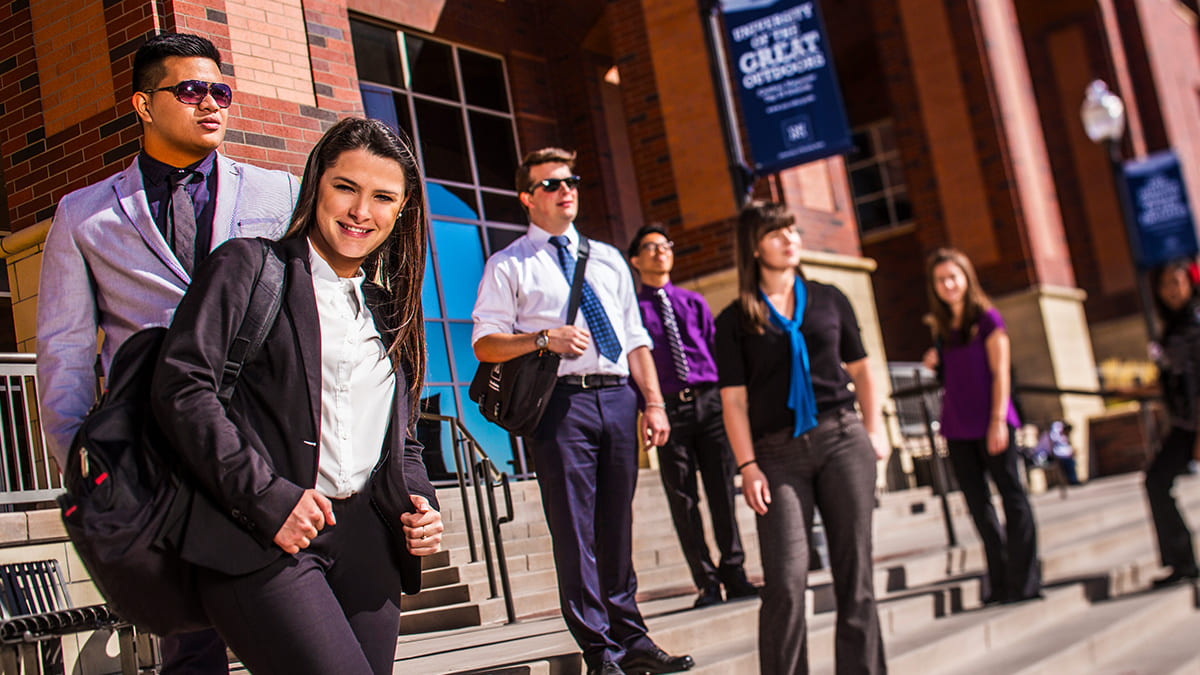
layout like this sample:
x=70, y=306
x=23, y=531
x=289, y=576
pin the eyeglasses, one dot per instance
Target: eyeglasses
x=655, y=247
x=552, y=184
x=192, y=92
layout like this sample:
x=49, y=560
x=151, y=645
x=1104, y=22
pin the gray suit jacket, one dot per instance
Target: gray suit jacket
x=106, y=266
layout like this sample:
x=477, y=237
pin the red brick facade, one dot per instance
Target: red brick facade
x=983, y=97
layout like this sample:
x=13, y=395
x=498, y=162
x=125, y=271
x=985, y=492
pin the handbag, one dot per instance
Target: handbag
x=514, y=394
x=126, y=503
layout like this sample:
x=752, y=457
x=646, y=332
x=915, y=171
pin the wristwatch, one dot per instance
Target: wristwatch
x=542, y=340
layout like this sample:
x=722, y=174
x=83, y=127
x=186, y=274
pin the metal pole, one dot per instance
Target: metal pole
x=939, y=471
x=735, y=154
x=1116, y=163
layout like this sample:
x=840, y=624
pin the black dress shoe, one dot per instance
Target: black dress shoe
x=738, y=586
x=1176, y=577
x=709, y=596
x=654, y=661
x=609, y=668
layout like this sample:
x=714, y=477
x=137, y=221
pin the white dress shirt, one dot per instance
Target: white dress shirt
x=357, y=383
x=524, y=290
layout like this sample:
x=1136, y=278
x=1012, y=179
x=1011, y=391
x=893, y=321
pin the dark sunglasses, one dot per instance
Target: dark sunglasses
x=192, y=92
x=551, y=184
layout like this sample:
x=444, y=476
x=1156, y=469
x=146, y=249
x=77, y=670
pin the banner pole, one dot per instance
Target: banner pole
x=741, y=176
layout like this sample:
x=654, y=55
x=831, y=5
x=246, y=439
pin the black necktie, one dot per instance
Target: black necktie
x=181, y=230
x=674, y=339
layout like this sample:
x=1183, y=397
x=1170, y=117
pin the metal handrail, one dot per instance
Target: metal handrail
x=28, y=472
x=473, y=466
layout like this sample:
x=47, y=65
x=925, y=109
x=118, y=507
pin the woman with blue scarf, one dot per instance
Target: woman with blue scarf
x=788, y=350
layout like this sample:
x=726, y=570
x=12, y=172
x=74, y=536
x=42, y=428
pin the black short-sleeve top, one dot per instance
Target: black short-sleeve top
x=763, y=363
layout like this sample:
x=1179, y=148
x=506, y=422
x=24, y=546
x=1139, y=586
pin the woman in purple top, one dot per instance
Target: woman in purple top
x=978, y=420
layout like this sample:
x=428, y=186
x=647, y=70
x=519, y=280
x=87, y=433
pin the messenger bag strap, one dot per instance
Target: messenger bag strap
x=265, y=300
x=577, y=281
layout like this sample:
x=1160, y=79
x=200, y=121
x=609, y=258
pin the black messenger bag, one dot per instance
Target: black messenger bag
x=514, y=394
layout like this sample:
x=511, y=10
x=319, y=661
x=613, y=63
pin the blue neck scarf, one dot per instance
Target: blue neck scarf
x=800, y=392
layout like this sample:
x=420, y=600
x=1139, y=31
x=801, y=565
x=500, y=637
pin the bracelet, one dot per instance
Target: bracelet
x=657, y=405
x=746, y=464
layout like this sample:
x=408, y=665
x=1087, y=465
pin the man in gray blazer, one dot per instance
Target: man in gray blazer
x=120, y=253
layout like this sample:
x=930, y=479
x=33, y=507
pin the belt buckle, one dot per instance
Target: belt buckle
x=583, y=382
x=687, y=395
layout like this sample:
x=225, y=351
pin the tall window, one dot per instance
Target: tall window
x=877, y=179
x=454, y=103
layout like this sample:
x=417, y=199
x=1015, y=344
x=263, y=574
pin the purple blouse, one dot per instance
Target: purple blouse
x=967, y=381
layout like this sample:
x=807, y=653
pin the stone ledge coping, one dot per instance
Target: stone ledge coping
x=24, y=239
x=28, y=527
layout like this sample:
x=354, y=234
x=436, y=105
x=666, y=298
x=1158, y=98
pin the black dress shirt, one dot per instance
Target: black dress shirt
x=156, y=179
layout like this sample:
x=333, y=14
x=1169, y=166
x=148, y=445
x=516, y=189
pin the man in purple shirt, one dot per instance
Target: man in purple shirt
x=681, y=325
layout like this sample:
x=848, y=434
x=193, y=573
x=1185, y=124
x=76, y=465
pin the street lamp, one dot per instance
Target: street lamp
x=1103, y=116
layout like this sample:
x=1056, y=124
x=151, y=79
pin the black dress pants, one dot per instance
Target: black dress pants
x=698, y=442
x=1013, y=569
x=334, y=607
x=1174, y=539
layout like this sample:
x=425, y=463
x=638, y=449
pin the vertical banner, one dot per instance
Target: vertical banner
x=786, y=83
x=1161, y=215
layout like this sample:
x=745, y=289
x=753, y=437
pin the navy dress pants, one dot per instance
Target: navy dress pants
x=585, y=451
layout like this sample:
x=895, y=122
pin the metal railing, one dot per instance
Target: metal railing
x=28, y=472
x=478, y=477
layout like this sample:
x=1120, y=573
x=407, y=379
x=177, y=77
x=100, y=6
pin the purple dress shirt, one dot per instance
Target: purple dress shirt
x=696, y=331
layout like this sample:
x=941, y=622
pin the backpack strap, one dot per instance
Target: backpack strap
x=577, y=281
x=265, y=300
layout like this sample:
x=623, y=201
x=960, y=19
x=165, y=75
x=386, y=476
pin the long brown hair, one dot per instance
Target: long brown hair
x=398, y=264
x=756, y=220
x=975, y=300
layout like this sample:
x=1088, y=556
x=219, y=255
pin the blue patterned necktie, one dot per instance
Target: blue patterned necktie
x=593, y=312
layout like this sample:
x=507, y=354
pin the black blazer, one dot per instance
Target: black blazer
x=252, y=462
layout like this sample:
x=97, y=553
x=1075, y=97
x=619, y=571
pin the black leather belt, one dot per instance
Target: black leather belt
x=593, y=381
x=687, y=394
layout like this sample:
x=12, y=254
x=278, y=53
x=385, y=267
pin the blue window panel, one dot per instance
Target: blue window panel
x=452, y=202
x=495, y=441
x=460, y=258
x=438, y=361
x=435, y=436
x=429, y=297
x=465, y=362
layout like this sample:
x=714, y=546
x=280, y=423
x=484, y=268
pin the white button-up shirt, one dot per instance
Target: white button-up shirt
x=524, y=290
x=357, y=383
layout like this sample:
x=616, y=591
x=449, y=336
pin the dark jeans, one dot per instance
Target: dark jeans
x=334, y=607
x=831, y=467
x=698, y=442
x=585, y=450
x=1174, y=539
x=1013, y=569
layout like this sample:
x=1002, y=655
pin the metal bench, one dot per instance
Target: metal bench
x=36, y=611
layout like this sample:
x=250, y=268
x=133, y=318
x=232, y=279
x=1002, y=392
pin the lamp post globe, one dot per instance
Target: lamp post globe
x=1103, y=113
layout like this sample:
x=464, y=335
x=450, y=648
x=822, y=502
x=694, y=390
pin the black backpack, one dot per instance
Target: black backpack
x=125, y=501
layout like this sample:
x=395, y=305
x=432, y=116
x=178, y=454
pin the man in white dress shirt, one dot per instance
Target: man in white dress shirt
x=585, y=448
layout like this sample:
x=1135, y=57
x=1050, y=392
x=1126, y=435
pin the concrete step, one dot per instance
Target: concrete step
x=475, y=613
x=974, y=634
x=1170, y=650
x=1081, y=642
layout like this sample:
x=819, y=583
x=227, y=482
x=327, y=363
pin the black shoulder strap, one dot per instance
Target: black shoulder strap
x=265, y=300
x=577, y=282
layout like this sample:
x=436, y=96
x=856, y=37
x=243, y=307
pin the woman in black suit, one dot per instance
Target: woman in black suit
x=313, y=504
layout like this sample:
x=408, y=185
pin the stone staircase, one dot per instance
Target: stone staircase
x=1098, y=616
